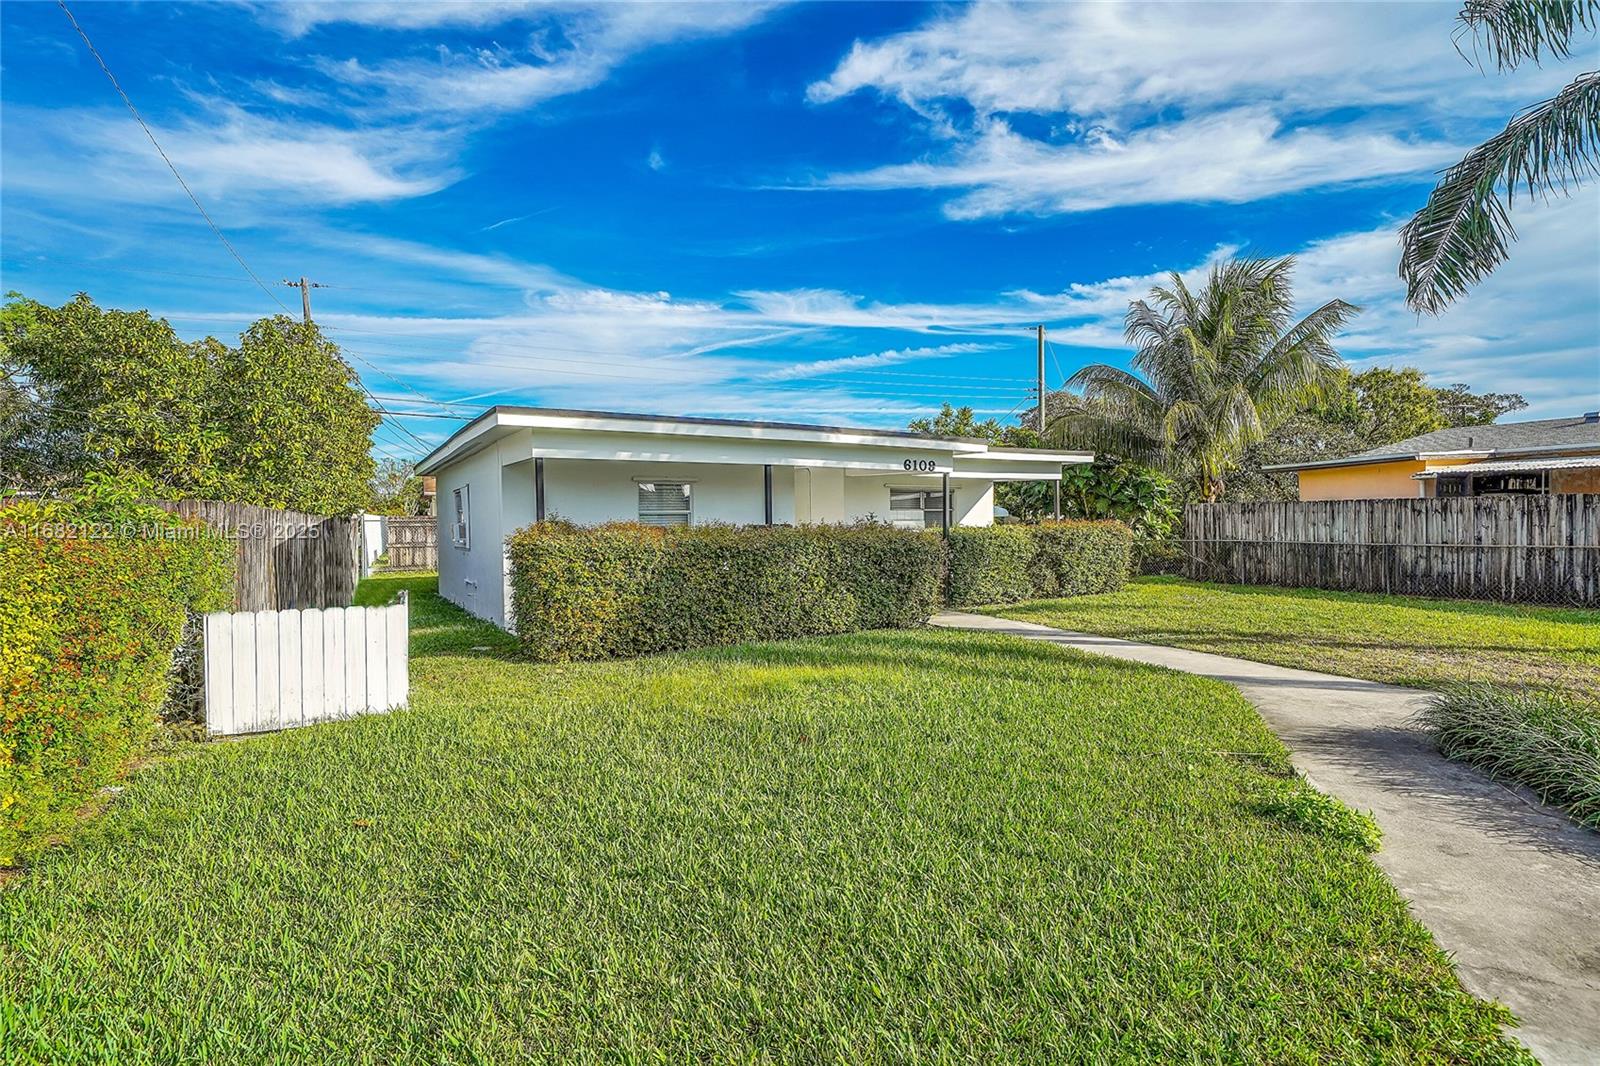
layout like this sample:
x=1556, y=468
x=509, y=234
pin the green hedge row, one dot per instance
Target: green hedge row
x=94, y=591
x=625, y=589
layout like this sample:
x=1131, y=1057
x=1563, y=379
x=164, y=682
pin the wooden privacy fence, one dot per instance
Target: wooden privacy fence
x=413, y=543
x=286, y=559
x=268, y=670
x=1536, y=549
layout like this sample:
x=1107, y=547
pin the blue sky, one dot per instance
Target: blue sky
x=832, y=212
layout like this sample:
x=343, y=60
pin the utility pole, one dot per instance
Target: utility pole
x=305, y=288
x=1057, y=482
x=1040, y=425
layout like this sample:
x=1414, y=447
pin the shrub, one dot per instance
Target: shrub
x=94, y=591
x=627, y=589
x=1545, y=741
x=990, y=564
x=1078, y=558
x=893, y=575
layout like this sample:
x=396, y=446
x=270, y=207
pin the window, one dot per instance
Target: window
x=1450, y=486
x=916, y=508
x=665, y=503
x=460, y=532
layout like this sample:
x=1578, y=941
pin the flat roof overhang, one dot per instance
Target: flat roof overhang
x=654, y=438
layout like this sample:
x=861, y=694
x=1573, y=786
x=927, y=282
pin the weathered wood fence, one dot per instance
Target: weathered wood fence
x=286, y=559
x=413, y=543
x=268, y=670
x=1537, y=549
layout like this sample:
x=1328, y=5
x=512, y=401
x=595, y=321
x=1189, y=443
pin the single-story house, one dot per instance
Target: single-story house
x=1552, y=455
x=512, y=466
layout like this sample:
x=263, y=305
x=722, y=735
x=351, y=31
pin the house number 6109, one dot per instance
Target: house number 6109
x=920, y=464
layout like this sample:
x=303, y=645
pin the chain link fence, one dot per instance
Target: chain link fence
x=1567, y=575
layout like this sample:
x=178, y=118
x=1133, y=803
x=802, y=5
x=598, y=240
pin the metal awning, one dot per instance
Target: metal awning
x=1512, y=466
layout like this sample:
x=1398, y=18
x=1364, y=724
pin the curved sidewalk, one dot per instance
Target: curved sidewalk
x=1510, y=889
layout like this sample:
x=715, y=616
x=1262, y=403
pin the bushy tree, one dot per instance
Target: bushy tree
x=1358, y=412
x=277, y=420
x=953, y=421
x=1462, y=407
x=396, y=489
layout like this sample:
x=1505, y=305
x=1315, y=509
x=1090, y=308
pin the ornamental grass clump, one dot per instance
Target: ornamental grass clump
x=1545, y=741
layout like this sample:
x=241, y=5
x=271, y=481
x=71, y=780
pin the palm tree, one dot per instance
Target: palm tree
x=1214, y=372
x=1462, y=232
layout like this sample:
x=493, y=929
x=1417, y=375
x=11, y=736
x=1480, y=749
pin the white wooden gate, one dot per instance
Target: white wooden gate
x=269, y=670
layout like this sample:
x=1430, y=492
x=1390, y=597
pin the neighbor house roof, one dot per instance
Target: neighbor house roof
x=1580, y=433
x=504, y=417
x=1514, y=466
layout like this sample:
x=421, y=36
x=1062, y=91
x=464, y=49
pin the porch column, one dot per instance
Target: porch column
x=766, y=488
x=538, y=490
x=944, y=512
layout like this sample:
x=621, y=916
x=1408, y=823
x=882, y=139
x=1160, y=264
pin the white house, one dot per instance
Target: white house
x=512, y=466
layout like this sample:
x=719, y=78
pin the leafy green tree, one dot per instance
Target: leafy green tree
x=952, y=421
x=1305, y=437
x=1215, y=371
x=1396, y=404
x=111, y=391
x=1464, y=230
x=1358, y=412
x=396, y=489
x=277, y=420
x=1462, y=407
x=298, y=429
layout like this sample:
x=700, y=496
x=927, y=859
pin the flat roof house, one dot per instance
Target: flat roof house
x=512, y=466
x=1552, y=455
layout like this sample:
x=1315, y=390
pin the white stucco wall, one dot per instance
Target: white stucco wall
x=474, y=577
x=973, y=506
x=500, y=482
x=589, y=491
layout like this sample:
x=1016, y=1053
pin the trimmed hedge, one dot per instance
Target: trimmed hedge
x=93, y=595
x=990, y=564
x=624, y=589
x=1080, y=558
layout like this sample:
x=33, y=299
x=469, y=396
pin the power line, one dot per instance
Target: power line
x=134, y=111
x=1051, y=348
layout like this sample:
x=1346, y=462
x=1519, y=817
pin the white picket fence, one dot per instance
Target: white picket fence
x=267, y=670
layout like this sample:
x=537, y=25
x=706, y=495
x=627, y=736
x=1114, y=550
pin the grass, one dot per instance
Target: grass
x=1537, y=739
x=1399, y=639
x=896, y=846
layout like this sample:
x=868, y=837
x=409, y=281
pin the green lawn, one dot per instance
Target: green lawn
x=892, y=846
x=1400, y=639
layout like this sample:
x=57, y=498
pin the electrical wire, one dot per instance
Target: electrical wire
x=134, y=111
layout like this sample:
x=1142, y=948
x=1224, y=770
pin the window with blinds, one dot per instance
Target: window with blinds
x=665, y=503
x=916, y=508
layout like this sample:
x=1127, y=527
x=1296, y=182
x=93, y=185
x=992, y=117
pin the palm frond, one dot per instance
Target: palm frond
x=1463, y=231
x=1515, y=30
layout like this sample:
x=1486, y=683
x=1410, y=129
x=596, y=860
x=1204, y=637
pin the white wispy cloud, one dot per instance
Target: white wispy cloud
x=566, y=49
x=354, y=131
x=891, y=357
x=1230, y=157
x=223, y=151
x=1165, y=103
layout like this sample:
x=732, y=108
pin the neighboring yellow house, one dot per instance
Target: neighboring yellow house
x=1553, y=455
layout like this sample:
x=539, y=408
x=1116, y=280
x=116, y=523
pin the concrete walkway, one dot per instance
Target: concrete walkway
x=1513, y=891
